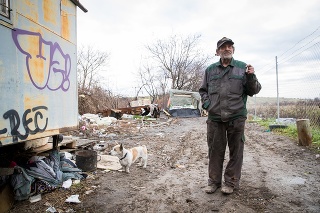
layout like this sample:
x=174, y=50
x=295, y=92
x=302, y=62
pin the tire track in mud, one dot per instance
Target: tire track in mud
x=177, y=187
x=183, y=156
x=254, y=191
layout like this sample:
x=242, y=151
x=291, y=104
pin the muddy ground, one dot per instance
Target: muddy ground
x=277, y=176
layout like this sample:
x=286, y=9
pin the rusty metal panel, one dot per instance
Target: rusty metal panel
x=68, y=20
x=38, y=74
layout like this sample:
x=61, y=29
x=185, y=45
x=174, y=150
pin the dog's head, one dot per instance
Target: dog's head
x=116, y=150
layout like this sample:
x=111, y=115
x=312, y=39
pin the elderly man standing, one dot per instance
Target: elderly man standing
x=224, y=91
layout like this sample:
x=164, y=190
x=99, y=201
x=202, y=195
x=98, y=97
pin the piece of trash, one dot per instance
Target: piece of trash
x=137, y=187
x=66, y=184
x=317, y=156
x=69, y=210
x=111, y=135
x=88, y=192
x=180, y=166
x=35, y=198
x=99, y=147
x=73, y=199
x=51, y=209
x=76, y=181
x=47, y=204
x=68, y=155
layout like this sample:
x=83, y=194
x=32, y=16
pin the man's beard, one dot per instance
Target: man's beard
x=226, y=55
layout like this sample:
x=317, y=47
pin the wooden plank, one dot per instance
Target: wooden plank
x=71, y=145
x=68, y=142
x=84, y=142
x=43, y=148
x=68, y=150
x=165, y=112
x=6, y=171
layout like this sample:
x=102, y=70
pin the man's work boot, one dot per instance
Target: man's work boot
x=211, y=189
x=227, y=189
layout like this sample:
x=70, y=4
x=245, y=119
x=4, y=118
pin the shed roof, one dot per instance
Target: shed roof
x=77, y=3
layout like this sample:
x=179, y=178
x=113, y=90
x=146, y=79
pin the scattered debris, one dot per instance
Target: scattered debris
x=67, y=184
x=73, y=199
x=89, y=192
x=102, y=145
x=51, y=209
x=35, y=198
x=76, y=181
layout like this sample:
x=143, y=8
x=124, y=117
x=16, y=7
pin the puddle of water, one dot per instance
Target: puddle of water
x=297, y=180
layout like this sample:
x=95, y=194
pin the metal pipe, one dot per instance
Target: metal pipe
x=277, y=88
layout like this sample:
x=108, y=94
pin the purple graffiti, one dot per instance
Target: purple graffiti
x=57, y=65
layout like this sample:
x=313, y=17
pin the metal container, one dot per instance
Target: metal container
x=87, y=160
x=38, y=69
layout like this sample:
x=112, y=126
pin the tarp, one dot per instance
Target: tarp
x=184, y=103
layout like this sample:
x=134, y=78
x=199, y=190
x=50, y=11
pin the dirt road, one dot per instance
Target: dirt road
x=277, y=175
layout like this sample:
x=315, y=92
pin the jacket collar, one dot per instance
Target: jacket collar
x=232, y=63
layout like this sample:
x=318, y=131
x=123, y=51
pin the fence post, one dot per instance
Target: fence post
x=304, y=132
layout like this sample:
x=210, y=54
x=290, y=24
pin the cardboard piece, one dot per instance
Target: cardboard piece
x=109, y=162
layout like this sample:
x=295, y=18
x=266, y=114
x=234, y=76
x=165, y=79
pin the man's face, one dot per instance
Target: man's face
x=226, y=51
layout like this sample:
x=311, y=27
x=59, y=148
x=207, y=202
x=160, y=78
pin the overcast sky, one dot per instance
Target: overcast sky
x=261, y=30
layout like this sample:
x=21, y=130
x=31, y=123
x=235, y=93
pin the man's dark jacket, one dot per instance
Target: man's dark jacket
x=224, y=90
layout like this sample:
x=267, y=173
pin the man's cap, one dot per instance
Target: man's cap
x=223, y=41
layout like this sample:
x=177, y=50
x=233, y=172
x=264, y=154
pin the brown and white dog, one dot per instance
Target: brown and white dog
x=128, y=156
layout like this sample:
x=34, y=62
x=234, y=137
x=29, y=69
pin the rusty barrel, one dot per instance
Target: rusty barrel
x=86, y=160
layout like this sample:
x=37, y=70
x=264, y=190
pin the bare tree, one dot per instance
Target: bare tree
x=150, y=82
x=180, y=60
x=90, y=62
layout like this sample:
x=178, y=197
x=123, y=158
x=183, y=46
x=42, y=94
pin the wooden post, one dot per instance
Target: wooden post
x=304, y=132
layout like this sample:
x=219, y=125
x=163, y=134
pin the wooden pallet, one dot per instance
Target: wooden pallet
x=84, y=142
x=68, y=143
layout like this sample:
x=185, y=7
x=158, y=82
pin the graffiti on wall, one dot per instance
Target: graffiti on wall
x=46, y=66
x=46, y=63
x=32, y=121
